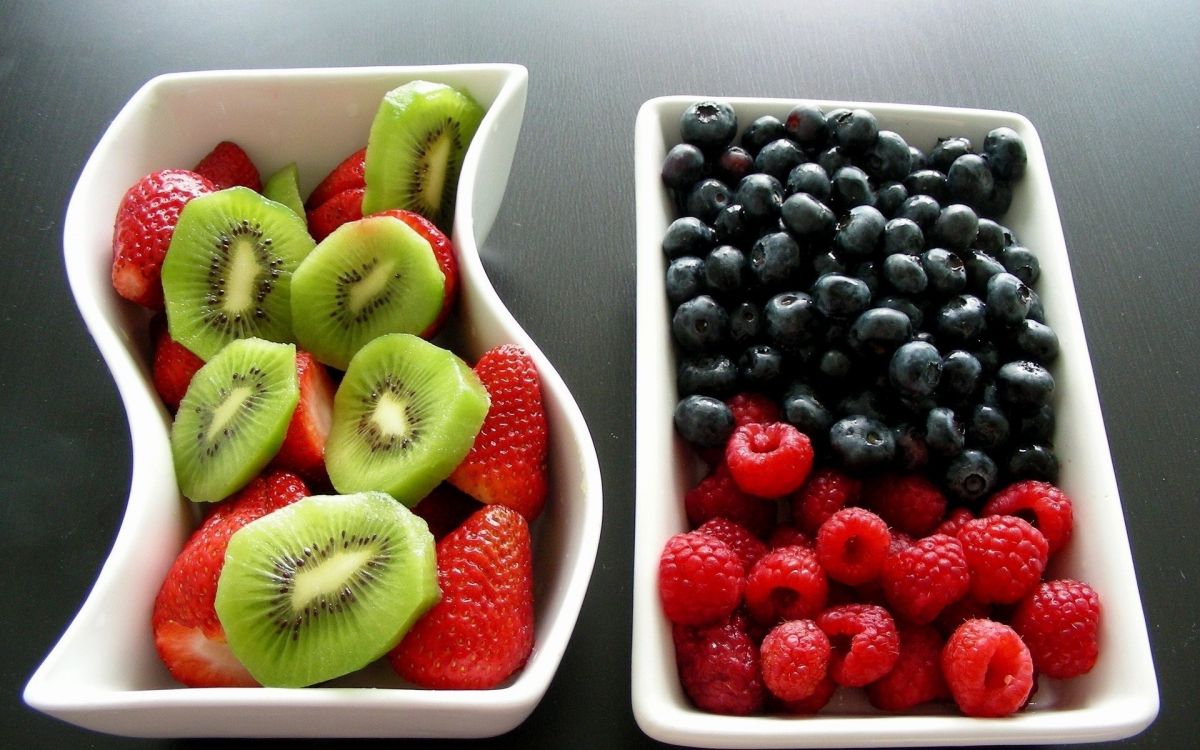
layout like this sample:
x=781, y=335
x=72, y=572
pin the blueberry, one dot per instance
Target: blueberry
x=840, y=296
x=1005, y=152
x=802, y=409
x=861, y=443
x=834, y=158
x=981, y=267
x=1007, y=299
x=947, y=151
x=709, y=125
x=888, y=158
x=946, y=272
x=850, y=187
x=988, y=355
x=745, y=323
x=700, y=324
x=969, y=180
x=992, y=237
x=915, y=369
x=1035, y=308
x=903, y=236
x=858, y=233
x=711, y=375
x=733, y=164
x=706, y=199
x=761, y=132
x=944, y=434
x=1033, y=462
x=1024, y=386
x=1035, y=341
x=921, y=209
x=927, y=182
x=760, y=195
x=988, y=428
x=685, y=279
x=683, y=167
x=791, y=319
x=904, y=273
x=855, y=131
x=725, y=270
x=971, y=476
x=889, y=197
x=869, y=272
x=996, y=203
x=806, y=125
x=688, y=236
x=1022, y=263
x=867, y=403
x=956, y=227
x=810, y=178
x=774, y=259
x=778, y=158
x=835, y=365
x=731, y=225
x=704, y=421
x=806, y=217
x=961, y=375
x=878, y=331
x=906, y=306
x=760, y=366
x=962, y=320
x=1037, y=426
x=828, y=262
x=912, y=454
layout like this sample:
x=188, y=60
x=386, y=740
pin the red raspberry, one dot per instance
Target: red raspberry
x=1060, y=623
x=717, y=496
x=700, y=579
x=954, y=521
x=795, y=659
x=1042, y=504
x=917, y=676
x=1006, y=557
x=787, y=535
x=899, y=541
x=852, y=546
x=826, y=492
x=956, y=613
x=988, y=668
x=908, y=502
x=747, y=546
x=813, y=703
x=719, y=667
x=769, y=460
x=922, y=579
x=864, y=643
x=749, y=408
x=786, y=584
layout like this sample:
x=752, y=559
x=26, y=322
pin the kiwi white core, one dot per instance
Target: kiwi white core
x=436, y=165
x=328, y=578
x=243, y=274
x=225, y=414
x=375, y=282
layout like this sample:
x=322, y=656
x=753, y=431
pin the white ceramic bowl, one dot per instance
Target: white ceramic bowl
x=1118, y=698
x=104, y=673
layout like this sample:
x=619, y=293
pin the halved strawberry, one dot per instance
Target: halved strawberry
x=348, y=175
x=447, y=261
x=507, y=463
x=173, y=366
x=303, y=449
x=341, y=208
x=187, y=634
x=143, y=228
x=228, y=165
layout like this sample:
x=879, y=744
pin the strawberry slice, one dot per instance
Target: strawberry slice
x=173, y=365
x=447, y=261
x=303, y=448
x=348, y=175
x=341, y=208
x=507, y=463
x=228, y=165
x=187, y=634
x=142, y=232
x=481, y=631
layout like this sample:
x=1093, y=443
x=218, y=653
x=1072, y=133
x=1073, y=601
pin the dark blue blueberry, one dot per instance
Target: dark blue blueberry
x=725, y=270
x=778, y=158
x=760, y=366
x=981, y=267
x=1035, y=341
x=947, y=151
x=733, y=165
x=971, y=476
x=761, y=132
x=745, y=323
x=840, y=296
x=688, y=236
x=997, y=202
x=1007, y=299
x=924, y=337
x=833, y=158
x=761, y=195
x=810, y=178
x=683, y=167
x=828, y=263
x=807, y=217
x=835, y=366
x=732, y=227
x=904, y=305
x=710, y=375
x=1035, y=427
x=1005, y=152
x=867, y=403
x=791, y=319
x=709, y=125
x=988, y=428
x=870, y=273
x=850, y=187
x=1024, y=386
x=944, y=434
x=945, y=270
x=775, y=259
x=912, y=454
x=802, y=408
x=858, y=234
x=903, y=236
x=904, y=273
x=685, y=279
x=927, y=182
x=992, y=237
x=1033, y=462
x=889, y=197
x=969, y=180
x=962, y=320
x=915, y=369
x=961, y=376
x=878, y=331
x=888, y=158
x=1022, y=263
x=704, y=421
x=861, y=443
x=706, y=199
x=1035, y=308
x=956, y=227
x=700, y=324
x=988, y=355
x=921, y=209
x=836, y=332
x=855, y=131
x=920, y=160
x=806, y=125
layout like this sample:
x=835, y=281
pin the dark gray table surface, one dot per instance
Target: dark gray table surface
x=1113, y=88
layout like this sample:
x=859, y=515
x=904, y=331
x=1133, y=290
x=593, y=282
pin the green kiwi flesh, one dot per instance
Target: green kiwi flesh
x=415, y=150
x=227, y=273
x=233, y=417
x=324, y=586
x=284, y=187
x=404, y=416
x=367, y=278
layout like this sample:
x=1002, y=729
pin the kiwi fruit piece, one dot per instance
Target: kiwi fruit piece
x=415, y=150
x=233, y=417
x=324, y=586
x=367, y=278
x=284, y=187
x=228, y=270
x=404, y=416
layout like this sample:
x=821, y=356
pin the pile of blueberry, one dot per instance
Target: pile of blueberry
x=865, y=285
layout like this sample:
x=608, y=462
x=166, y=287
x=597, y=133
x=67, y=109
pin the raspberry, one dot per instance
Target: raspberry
x=863, y=640
x=745, y=545
x=988, y=668
x=1042, y=504
x=769, y=460
x=700, y=579
x=795, y=659
x=954, y=521
x=899, y=541
x=786, y=584
x=908, y=502
x=1006, y=557
x=922, y=579
x=749, y=408
x=717, y=496
x=852, y=546
x=1060, y=623
x=956, y=613
x=826, y=492
x=917, y=676
x=787, y=535
x=813, y=703
x=719, y=667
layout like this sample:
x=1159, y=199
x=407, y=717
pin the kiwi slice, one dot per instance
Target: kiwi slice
x=324, y=586
x=367, y=278
x=415, y=150
x=284, y=187
x=233, y=417
x=405, y=415
x=227, y=273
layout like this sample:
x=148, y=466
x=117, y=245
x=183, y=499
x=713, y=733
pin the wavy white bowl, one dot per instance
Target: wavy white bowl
x=1118, y=698
x=104, y=673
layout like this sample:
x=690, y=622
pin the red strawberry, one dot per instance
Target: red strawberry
x=445, y=509
x=507, y=463
x=174, y=364
x=341, y=208
x=482, y=629
x=443, y=251
x=303, y=448
x=348, y=175
x=228, y=165
x=143, y=228
x=187, y=633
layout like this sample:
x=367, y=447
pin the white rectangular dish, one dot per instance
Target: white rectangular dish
x=1118, y=698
